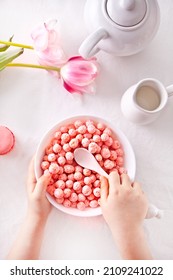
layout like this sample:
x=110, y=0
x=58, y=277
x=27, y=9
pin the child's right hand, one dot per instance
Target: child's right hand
x=124, y=205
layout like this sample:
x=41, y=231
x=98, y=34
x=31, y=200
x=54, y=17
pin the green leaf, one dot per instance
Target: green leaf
x=5, y=47
x=8, y=56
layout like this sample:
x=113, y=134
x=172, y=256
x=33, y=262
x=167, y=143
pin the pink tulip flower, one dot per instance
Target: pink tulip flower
x=78, y=74
x=47, y=45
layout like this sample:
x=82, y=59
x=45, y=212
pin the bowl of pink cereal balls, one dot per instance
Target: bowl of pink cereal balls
x=73, y=189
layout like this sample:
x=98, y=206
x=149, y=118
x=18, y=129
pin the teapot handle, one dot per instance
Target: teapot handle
x=153, y=211
x=89, y=47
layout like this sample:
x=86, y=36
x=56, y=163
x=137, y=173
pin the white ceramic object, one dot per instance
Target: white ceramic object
x=143, y=102
x=130, y=162
x=120, y=27
x=84, y=158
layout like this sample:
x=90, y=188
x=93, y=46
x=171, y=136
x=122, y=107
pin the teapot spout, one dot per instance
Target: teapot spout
x=90, y=47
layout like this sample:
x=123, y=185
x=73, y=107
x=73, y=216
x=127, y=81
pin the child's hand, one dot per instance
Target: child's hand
x=39, y=205
x=124, y=205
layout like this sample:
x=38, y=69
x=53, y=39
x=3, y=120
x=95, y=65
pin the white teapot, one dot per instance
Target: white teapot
x=120, y=27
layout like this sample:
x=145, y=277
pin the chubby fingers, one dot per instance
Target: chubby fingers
x=42, y=184
x=114, y=182
x=31, y=180
x=104, y=189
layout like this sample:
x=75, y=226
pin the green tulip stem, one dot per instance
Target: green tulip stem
x=33, y=66
x=16, y=45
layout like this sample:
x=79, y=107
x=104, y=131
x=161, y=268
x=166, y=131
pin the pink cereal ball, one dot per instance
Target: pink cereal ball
x=74, y=143
x=113, y=155
x=105, y=152
x=62, y=153
x=72, y=132
x=68, y=168
x=66, y=147
x=93, y=178
x=78, y=168
x=98, y=176
x=61, y=170
x=73, y=197
x=46, y=172
x=109, y=142
x=93, y=203
x=108, y=131
x=69, y=156
x=71, y=177
x=122, y=170
x=45, y=165
x=91, y=129
x=56, y=148
x=89, y=122
x=63, y=177
x=101, y=126
x=79, y=137
x=73, y=204
x=96, y=192
x=119, y=152
x=98, y=132
x=77, y=186
x=86, y=172
x=120, y=161
x=82, y=129
x=49, y=150
x=78, y=123
x=81, y=197
x=67, y=192
x=86, y=202
x=78, y=175
x=91, y=196
x=86, y=190
x=93, y=148
x=57, y=135
x=108, y=164
x=54, y=168
x=87, y=180
x=60, y=184
x=69, y=184
x=55, y=177
x=88, y=135
x=58, y=193
x=61, y=160
x=96, y=184
x=96, y=138
x=64, y=129
x=116, y=144
x=98, y=157
x=104, y=137
x=81, y=205
x=67, y=203
x=60, y=200
x=65, y=137
x=85, y=142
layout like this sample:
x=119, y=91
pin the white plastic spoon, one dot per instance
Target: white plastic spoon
x=84, y=158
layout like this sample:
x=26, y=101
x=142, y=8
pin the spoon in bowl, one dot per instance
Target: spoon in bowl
x=84, y=158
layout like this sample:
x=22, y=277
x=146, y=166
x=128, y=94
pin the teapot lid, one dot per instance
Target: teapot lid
x=126, y=12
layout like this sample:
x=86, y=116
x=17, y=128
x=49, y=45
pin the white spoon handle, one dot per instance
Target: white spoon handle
x=153, y=211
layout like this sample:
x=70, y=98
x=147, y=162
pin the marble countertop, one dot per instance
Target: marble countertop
x=32, y=101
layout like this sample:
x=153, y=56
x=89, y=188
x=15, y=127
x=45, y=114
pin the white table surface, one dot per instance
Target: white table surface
x=31, y=101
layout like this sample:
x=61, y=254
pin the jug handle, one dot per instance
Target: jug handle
x=170, y=90
x=153, y=211
x=89, y=47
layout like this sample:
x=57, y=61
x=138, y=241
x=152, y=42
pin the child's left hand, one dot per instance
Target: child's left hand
x=39, y=206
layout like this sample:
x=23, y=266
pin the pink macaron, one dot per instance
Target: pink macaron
x=7, y=140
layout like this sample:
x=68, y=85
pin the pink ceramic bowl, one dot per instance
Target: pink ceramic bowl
x=130, y=162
